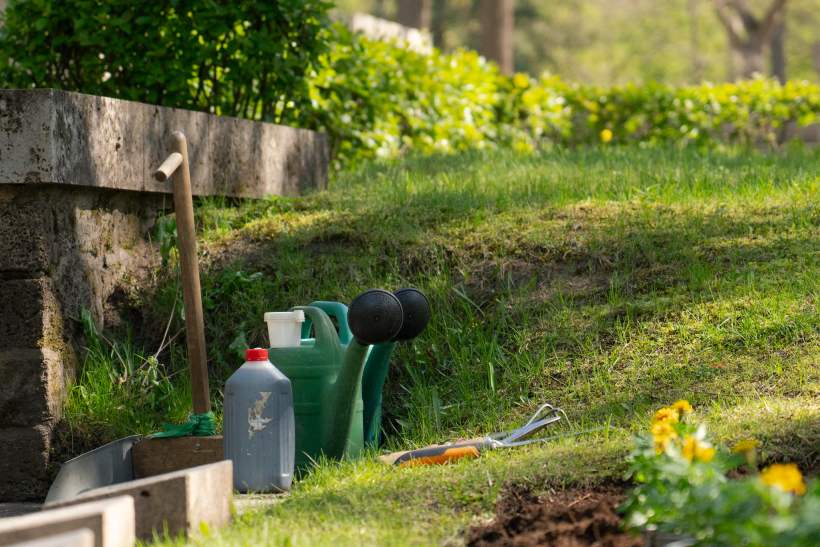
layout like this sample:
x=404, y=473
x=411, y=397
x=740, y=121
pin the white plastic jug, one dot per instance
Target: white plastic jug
x=285, y=328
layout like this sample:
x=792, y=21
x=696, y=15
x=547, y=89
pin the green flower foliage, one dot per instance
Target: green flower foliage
x=238, y=58
x=693, y=497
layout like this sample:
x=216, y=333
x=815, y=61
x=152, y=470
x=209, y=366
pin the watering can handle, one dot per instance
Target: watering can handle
x=334, y=309
x=325, y=331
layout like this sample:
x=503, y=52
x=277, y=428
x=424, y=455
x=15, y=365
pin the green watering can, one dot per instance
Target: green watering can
x=326, y=371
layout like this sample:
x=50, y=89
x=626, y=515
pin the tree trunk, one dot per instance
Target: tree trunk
x=749, y=60
x=497, y=28
x=416, y=13
x=815, y=56
x=778, y=54
x=694, y=41
x=748, y=35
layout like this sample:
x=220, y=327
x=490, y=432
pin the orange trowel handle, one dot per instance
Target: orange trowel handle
x=436, y=455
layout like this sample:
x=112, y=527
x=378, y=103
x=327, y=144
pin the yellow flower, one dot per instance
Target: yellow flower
x=666, y=414
x=693, y=448
x=520, y=80
x=744, y=446
x=663, y=433
x=606, y=135
x=682, y=406
x=785, y=476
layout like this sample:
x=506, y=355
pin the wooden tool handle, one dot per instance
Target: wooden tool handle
x=436, y=455
x=168, y=167
x=189, y=269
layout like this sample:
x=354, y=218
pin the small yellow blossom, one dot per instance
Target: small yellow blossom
x=785, y=476
x=520, y=80
x=744, y=446
x=663, y=433
x=694, y=448
x=682, y=406
x=606, y=135
x=665, y=414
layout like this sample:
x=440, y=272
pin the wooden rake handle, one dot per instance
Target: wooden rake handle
x=176, y=165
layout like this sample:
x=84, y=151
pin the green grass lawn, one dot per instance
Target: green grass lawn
x=609, y=282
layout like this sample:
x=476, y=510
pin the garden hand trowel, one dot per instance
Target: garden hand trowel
x=438, y=454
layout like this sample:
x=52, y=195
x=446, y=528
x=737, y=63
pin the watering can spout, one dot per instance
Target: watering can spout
x=374, y=316
x=344, y=392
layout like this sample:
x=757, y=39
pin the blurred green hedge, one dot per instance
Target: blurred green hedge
x=284, y=62
x=378, y=100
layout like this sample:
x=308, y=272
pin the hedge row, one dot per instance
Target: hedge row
x=378, y=100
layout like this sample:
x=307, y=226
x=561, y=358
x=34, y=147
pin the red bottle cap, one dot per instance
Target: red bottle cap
x=256, y=354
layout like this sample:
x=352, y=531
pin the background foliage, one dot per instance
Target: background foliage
x=284, y=62
x=239, y=58
x=613, y=42
x=377, y=100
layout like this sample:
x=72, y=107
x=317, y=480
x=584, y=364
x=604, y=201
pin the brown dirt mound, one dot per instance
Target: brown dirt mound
x=580, y=517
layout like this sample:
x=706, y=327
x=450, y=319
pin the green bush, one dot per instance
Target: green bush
x=238, y=58
x=377, y=100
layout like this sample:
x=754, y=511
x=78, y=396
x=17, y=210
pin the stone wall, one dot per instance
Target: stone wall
x=69, y=138
x=77, y=201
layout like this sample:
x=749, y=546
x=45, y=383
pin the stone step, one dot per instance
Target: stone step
x=110, y=520
x=181, y=501
x=79, y=538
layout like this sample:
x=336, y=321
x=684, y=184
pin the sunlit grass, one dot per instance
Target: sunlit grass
x=607, y=281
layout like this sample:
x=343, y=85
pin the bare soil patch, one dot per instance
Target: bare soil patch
x=579, y=517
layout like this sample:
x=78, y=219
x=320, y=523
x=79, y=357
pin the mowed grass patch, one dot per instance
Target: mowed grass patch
x=609, y=282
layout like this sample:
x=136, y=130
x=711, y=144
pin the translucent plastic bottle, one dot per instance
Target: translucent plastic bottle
x=258, y=426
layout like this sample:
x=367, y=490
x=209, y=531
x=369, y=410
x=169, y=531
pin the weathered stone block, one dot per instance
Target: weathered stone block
x=24, y=219
x=27, y=313
x=24, y=456
x=79, y=538
x=168, y=454
x=32, y=387
x=180, y=500
x=51, y=136
x=111, y=521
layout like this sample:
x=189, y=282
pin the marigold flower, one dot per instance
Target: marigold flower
x=682, y=406
x=606, y=135
x=693, y=448
x=663, y=428
x=744, y=446
x=663, y=433
x=787, y=477
x=665, y=414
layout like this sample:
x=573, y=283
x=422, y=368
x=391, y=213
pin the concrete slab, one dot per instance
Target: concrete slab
x=111, y=521
x=78, y=538
x=180, y=500
x=52, y=136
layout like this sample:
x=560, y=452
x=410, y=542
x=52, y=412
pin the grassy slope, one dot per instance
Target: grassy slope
x=609, y=282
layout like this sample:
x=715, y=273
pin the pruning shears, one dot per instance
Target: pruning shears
x=435, y=455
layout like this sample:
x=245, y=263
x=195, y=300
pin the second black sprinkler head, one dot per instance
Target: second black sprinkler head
x=416, y=309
